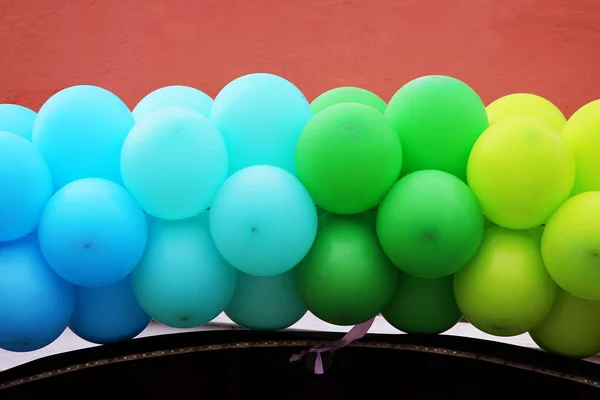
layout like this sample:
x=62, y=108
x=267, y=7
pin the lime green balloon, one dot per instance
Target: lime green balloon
x=347, y=157
x=346, y=278
x=572, y=328
x=438, y=118
x=422, y=305
x=430, y=224
x=348, y=94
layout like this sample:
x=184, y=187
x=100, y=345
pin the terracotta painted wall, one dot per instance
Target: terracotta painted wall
x=548, y=47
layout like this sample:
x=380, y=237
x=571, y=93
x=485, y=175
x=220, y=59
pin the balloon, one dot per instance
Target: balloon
x=348, y=156
x=182, y=280
x=572, y=328
x=521, y=171
x=438, y=118
x=174, y=162
x=26, y=185
x=108, y=314
x=430, y=224
x=345, y=279
x=348, y=95
x=80, y=131
x=581, y=136
x=526, y=105
x=263, y=220
x=268, y=303
x=260, y=117
x=35, y=304
x=505, y=290
x=570, y=246
x=422, y=305
x=92, y=232
x=173, y=96
x=17, y=119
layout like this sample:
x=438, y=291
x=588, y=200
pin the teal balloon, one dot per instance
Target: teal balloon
x=173, y=96
x=173, y=162
x=35, y=304
x=26, y=186
x=182, y=281
x=261, y=117
x=17, y=119
x=80, y=131
x=263, y=220
x=268, y=303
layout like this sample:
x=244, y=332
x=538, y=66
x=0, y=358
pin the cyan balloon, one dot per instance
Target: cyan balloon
x=35, y=304
x=26, y=186
x=108, y=314
x=260, y=117
x=268, y=303
x=80, y=131
x=92, y=232
x=182, y=280
x=173, y=162
x=173, y=96
x=263, y=220
x=17, y=119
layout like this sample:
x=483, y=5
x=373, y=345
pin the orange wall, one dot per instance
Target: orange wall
x=548, y=47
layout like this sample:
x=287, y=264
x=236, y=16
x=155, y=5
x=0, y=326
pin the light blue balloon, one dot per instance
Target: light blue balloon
x=80, y=131
x=92, y=232
x=25, y=186
x=268, y=303
x=263, y=221
x=260, y=117
x=173, y=96
x=108, y=314
x=35, y=304
x=17, y=119
x=182, y=280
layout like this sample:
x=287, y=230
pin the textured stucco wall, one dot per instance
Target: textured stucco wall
x=548, y=47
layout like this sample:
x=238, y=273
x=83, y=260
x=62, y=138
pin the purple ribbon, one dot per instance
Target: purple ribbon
x=357, y=332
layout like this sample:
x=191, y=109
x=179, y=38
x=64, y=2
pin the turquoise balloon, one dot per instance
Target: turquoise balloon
x=26, y=186
x=268, y=303
x=174, y=162
x=260, y=117
x=80, y=131
x=17, y=119
x=182, y=280
x=35, y=304
x=173, y=96
x=263, y=221
x=92, y=232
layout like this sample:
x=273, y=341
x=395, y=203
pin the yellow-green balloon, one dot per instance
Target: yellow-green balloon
x=528, y=105
x=348, y=94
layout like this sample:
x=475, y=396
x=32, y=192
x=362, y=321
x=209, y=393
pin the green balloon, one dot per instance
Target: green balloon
x=438, y=118
x=348, y=94
x=346, y=278
x=572, y=328
x=347, y=157
x=430, y=224
x=268, y=303
x=422, y=305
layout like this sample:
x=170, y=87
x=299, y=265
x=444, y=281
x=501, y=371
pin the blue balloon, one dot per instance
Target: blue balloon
x=26, y=186
x=108, y=314
x=268, y=303
x=92, y=232
x=260, y=117
x=80, y=131
x=182, y=280
x=173, y=96
x=263, y=221
x=17, y=119
x=35, y=304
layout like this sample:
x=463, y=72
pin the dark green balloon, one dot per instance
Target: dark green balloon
x=346, y=278
x=348, y=94
x=422, y=305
